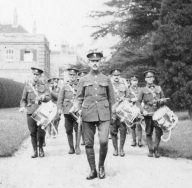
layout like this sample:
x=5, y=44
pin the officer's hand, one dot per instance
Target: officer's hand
x=145, y=113
x=22, y=109
x=42, y=97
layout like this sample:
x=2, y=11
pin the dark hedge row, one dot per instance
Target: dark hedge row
x=11, y=93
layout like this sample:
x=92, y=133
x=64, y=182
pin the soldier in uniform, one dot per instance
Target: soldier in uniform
x=65, y=102
x=54, y=90
x=32, y=97
x=121, y=91
x=133, y=97
x=95, y=97
x=148, y=95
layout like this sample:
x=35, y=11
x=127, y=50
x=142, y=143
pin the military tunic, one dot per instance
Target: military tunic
x=29, y=101
x=121, y=91
x=95, y=96
x=65, y=101
x=148, y=95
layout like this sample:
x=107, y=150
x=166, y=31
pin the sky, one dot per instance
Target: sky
x=59, y=20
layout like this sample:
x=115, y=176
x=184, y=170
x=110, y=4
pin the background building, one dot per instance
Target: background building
x=20, y=50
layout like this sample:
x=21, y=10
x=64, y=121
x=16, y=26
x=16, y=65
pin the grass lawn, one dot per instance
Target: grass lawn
x=180, y=143
x=13, y=130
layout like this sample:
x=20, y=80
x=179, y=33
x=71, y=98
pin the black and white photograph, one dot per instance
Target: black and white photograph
x=95, y=93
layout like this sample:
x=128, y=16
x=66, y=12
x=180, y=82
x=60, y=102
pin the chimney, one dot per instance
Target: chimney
x=15, y=18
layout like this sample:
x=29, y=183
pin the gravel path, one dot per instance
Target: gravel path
x=59, y=169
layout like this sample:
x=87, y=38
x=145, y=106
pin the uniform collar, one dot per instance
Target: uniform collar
x=117, y=83
x=92, y=72
x=134, y=87
x=73, y=83
x=151, y=85
x=37, y=83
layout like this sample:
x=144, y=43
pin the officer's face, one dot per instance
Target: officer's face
x=72, y=77
x=94, y=64
x=36, y=77
x=134, y=82
x=116, y=77
x=149, y=78
x=55, y=84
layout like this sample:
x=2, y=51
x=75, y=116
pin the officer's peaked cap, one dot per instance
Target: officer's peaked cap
x=37, y=70
x=94, y=55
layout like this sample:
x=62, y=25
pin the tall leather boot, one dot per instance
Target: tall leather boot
x=34, y=144
x=156, y=146
x=150, y=145
x=133, y=133
x=122, y=142
x=114, y=141
x=70, y=142
x=77, y=148
x=102, y=155
x=91, y=159
x=41, y=142
x=83, y=138
x=140, y=144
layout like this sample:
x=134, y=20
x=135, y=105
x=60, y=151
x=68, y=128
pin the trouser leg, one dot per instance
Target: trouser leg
x=139, y=132
x=123, y=130
x=149, y=132
x=113, y=133
x=133, y=133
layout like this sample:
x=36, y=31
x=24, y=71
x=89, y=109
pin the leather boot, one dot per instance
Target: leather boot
x=122, y=142
x=102, y=155
x=91, y=159
x=156, y=145
x=41, y=152
x=71, y=146
x=140, y=144
x=150, y=145
x=114, y=140
x=35, y=154
x=83, y=139
x=77, y=148
x=133, y=133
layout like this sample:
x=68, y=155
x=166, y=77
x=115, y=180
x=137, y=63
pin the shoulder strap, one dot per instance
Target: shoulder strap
x=133, y=92
x=72, y=89
x=36, y=93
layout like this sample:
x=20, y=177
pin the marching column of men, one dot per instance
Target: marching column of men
x=65, y=102
x=93, y=97
x=121, y=92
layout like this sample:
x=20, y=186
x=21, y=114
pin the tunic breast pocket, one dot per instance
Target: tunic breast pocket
x=30, y=95
x=103, y=87
x=88, y=87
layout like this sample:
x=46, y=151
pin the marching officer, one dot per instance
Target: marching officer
x=32, y=97
x=83, y=72
x=121, y=91
x=148, y=95
x=54, y=90
x=133, y=97
x=65, y=102
x=95, y=97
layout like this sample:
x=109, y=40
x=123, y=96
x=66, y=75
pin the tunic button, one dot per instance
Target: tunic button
x=96, y=95
x=95, y=101
x=95, y=88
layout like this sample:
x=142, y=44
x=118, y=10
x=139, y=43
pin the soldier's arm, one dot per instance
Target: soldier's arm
x=80, y=94
x=54, y=95
x=140, y=99
x=23, y=101
x=47, y=95
x=61, y=97
x=111, y=98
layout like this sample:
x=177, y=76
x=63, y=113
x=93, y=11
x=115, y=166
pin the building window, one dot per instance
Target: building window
x=9, y=55
x=28, y=55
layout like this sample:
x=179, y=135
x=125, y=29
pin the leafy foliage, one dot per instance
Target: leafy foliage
x=11, y=93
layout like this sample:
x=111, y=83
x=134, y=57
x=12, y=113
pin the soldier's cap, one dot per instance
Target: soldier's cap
x=149, y=70
x=37, y=70
x=83, y=72
x=52, y=80
x=73, y=70
x=94, y=55
x=134, y=77
x=115, y=70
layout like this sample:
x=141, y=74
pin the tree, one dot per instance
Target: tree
x=172, y=47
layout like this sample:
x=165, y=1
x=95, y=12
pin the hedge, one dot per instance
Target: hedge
x=11, y=93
